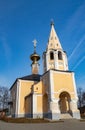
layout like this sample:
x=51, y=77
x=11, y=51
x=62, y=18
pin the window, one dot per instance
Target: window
x=59, y=55
x=51, y=56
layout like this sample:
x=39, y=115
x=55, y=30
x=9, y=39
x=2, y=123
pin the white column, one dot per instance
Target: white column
x=75, y=111
x=56, y=59
x=44, y=62
x=73, y=104
x=47, y=63
x=54, y=112
x=17, y=98
x=64, y=61
x=34, y=105
x=54, y=106
x=51, y=85
x=74, y=86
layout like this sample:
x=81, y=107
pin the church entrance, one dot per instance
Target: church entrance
x=64, y=102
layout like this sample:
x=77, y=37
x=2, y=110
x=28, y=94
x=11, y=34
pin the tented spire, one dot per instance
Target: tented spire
x=53, y=42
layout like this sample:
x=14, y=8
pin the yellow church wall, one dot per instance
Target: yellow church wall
x=25, y=89
x=63, y=82
x=39, y=93
x=45, y=83
x=42, y=103
x=28, y=104
x=45, y=103
x=38, y=88
x=39, y=103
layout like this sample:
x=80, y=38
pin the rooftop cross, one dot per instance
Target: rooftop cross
x=52, y=22
x=34, y=42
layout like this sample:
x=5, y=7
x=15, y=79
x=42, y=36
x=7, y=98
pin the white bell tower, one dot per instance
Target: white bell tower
x=54, y=57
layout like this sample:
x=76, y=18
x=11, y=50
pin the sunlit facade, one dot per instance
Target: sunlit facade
x=50, y=95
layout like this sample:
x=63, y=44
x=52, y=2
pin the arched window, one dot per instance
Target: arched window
x=59, y=55
x=51, y=56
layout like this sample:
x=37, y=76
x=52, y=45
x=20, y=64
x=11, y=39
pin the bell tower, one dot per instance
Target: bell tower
x=35, y=58
x=59, y=80
x=54, y=57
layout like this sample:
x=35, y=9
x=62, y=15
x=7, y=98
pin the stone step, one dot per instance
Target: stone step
x=66, y=116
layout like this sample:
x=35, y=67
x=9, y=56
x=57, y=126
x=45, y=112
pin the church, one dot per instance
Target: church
x=51, y=95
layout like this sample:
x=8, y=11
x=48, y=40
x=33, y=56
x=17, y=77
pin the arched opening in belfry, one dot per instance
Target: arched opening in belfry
x=64, y=102
x=60, y=55
x=51, y=55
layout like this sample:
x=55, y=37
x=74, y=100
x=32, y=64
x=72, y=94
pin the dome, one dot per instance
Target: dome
x=34, y=57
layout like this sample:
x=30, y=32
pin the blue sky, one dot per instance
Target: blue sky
x=22, y=21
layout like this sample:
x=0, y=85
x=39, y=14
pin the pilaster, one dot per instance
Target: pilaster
x=74, y=110
x=17, y=99
x=47, y=63
x=74, y=86
x=51, y=85
x=54, y=112
x=34, y=105
x=56, y=59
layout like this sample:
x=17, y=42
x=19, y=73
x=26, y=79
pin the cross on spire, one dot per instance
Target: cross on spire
x=52, y=22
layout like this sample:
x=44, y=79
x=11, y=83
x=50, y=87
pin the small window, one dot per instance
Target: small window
x=51, y=56
x=59, y=55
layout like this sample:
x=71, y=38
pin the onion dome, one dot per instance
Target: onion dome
x=34, y=57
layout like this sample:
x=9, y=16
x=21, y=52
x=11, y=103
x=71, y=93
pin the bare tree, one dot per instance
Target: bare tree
x=4, y=97
x=81, y=97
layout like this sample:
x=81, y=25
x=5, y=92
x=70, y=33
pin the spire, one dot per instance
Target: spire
x=53, y=42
